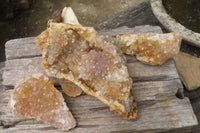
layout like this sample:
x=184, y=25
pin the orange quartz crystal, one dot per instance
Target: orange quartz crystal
x=91, y=61
x=37, y=98
x=152, y=49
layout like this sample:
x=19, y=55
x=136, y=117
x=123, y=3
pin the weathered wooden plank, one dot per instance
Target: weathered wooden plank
x=20, y=69
x=25, y=67
x=25, y=49
x=92, y=115
x=20, y=65
x=142, y=72
x=2, y=65
x=154, y=87
x=136, y=30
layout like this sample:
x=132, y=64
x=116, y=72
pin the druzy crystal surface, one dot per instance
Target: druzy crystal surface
x=93, y=62
x=38, y=98
x=152, y=49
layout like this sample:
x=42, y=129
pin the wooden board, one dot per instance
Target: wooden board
x=155, y=88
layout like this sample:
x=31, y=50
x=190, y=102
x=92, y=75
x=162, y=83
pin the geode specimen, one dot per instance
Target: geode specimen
x=91, y=61
x=152, y=49
x=37, y=98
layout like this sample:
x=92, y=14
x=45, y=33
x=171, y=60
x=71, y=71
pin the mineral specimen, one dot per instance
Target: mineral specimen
x=68, y=87
x=91, y=61
x=152, y=49
x=37, y=98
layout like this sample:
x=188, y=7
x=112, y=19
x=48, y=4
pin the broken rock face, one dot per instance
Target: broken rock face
x=188, y=67
x=91, y=61
x=41, y=40
x=37, y=98
x=68, y=87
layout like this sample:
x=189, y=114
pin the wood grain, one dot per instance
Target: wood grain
x=136, y=29
x=25, y=49
x=155, y=89
x=156, y=113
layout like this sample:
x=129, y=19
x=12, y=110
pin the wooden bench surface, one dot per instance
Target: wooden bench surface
x=155, y=88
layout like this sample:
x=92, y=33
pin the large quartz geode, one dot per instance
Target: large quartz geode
x=91, y=61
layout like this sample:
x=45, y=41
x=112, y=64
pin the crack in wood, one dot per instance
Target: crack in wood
x=99, y=108
x=9, y=124
x=180, y=93
x=24, y=57
x=87, y=126
x=152, y=78
x=147, y=103
x=46, y=128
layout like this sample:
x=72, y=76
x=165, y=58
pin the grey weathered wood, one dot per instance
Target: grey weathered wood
x=19, y=69
x=137, y=29
x=156, y=113
x=19, y=65
x=25, y=49
x=142, y=72
x=155, y=88
x=2, y=65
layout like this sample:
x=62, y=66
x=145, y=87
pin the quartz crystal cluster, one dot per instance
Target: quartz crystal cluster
x=152, y=49
x=91, y=61
x=37, y=98
x=85, y=60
